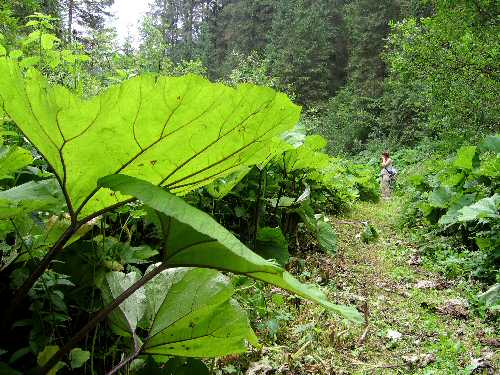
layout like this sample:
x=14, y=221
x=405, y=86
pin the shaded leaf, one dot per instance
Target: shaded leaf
x=175, y=366
x=78, y=357
x=272, y=244
x=197, y=317
x=124, y=318
x=5, y=369
x=324, y=233
x=452, y=215
x=486, y=208
x=222, y=186
x=31, y=196
x=12, y=159
x=327, y=237
x=45, y=355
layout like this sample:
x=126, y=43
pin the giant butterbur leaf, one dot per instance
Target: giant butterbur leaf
x=441, y=197
x=194, y=238
x=483, y=210
x=13, y=159
x=197, y=317
x=186, y=312
x=178, y=132
x=272, y=244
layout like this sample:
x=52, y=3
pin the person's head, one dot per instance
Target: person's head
x=385, y=154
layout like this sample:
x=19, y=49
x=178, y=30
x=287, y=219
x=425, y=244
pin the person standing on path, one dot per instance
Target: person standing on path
x=386, y=175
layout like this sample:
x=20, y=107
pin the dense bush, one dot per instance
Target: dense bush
x=458, y=198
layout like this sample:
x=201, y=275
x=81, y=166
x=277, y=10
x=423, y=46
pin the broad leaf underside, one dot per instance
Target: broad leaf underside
x=177, y=132
x=186, y=312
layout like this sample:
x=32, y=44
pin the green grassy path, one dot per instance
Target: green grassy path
x=412, y=327
x=418, y=323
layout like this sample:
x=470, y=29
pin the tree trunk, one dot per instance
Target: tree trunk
x=71, y=8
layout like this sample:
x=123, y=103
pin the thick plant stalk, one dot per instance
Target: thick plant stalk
x=101, y=315
x=22, y=292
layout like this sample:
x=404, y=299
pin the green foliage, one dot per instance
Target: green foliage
x=450, y=59
x=12, y=159
x=62, y=125
x=272, y=244
x=195, y=239
x=299, y=49
x=135, y=128
x=78, y=357
x=207, y=323
x=459, y=198
x=369, y=234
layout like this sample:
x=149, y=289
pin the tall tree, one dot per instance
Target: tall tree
x=301, y=49
x=367, y=24
x=85, y=16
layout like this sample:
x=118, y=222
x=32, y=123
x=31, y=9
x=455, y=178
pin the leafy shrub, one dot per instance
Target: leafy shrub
x=459, y=198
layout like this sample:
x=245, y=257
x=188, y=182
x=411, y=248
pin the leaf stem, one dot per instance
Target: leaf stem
x=126, y=361
x=101, y=315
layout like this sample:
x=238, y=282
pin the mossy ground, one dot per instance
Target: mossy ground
x=299, y=337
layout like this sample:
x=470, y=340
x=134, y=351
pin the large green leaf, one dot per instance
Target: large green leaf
x=482, y=210
x=466, y=157
x=178, y=132
x=13, y=159
x=197, y=317
x=186, y=312
x=31, y=196
x=272, y=244
x=440, y=197
x=452, y=215
x=198, y=240
x=125, y=318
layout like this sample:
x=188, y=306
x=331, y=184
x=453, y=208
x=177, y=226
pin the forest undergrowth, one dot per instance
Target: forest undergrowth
x=418, y=321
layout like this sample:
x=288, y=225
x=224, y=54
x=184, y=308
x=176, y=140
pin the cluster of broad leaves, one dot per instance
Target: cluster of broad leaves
x=110, y=171
x=460, y=197
x=287, y=198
